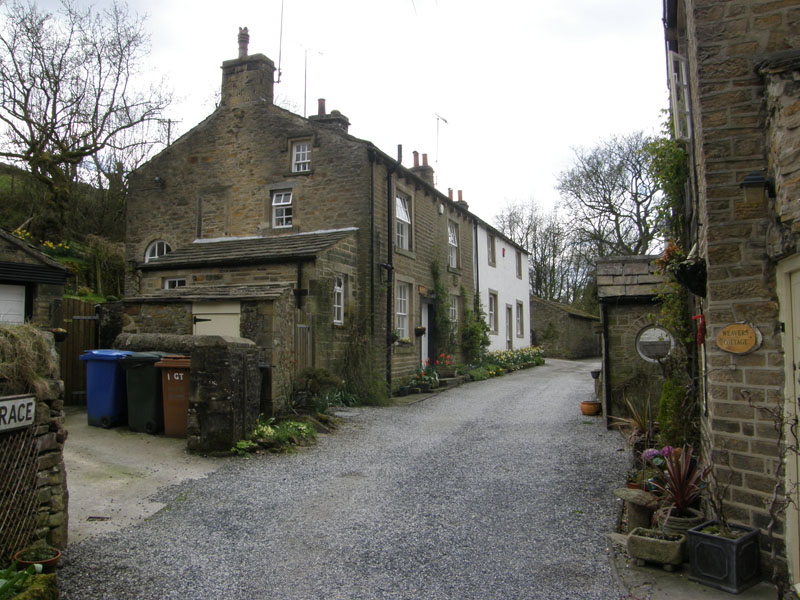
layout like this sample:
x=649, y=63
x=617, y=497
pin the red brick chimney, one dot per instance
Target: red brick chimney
x=335, y=119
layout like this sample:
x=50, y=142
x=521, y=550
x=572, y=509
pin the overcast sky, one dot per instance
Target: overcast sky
x=520, y=83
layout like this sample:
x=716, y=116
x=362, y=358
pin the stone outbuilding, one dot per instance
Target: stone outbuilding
x=632, y=341
x=564, y=331
x=29, y=282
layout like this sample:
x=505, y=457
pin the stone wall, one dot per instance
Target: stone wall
x=225, y=384
x=564, y=332
x=741, y=227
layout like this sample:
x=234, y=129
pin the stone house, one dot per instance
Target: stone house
x=502, y=279
x=289, y=231
x=29, y=282
x=564, y=331
x=734, y=69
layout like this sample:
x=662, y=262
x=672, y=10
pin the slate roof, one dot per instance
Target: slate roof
x=46, y=271
x=249, y=250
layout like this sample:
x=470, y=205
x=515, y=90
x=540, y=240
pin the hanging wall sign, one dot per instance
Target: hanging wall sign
x=17, y=412
x=739, y=338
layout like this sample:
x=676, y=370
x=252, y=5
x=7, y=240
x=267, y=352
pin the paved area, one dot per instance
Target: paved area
x=112, y=474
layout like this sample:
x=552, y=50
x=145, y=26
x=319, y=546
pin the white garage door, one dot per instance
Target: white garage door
x=12, y=303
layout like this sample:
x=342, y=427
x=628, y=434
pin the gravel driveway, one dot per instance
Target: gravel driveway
x=496, y=489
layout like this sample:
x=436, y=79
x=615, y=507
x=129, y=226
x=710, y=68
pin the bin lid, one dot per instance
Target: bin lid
x=175, y=362
x=104, y=354
x=135, y=359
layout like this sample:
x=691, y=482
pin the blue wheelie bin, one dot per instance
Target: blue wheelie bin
x=106, y=398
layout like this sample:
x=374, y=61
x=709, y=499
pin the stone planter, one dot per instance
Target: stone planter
x=682, y=524
x=724, y=563
x=447, y=372
x=652, y=545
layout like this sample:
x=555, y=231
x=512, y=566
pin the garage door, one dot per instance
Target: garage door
x=12, y=303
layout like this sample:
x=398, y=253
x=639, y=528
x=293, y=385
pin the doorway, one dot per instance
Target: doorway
x=789, y=293
x=427, y=339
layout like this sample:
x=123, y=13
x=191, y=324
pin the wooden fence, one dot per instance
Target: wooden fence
x=80, y=321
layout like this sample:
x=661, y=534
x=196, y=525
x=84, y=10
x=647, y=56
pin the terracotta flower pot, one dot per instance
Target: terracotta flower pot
x=36, y=556
x=590, y=408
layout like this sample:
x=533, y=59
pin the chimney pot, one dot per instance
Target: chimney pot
x=460, y=197
x=244, y=39
x=321, y=107
x=425, y=160
x=416, y=158
x=450, y=193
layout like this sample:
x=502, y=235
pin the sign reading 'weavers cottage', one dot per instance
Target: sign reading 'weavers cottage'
x=739, y=338
x=17, y=412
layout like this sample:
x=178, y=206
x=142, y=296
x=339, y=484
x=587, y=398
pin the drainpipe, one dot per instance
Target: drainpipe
x=476, y=264
x=390, y=169
x=371, y=155
x=606, y=365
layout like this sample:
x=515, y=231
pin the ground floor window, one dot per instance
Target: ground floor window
x=338, y=300
x=402, y=310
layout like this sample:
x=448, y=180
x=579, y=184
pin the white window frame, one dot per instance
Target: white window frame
x=401, y=309
x=452, y=243
x=282, y=209
x=520, y=319
x=301, y=157
x=491, y=249
x=453, y=309
x=402, y=215
x=519, y=264
x=155, y=249
x=678, y=68
x=492, y=311
x=174, y=282
x=338, y=300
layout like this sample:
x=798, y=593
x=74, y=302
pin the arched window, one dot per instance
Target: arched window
x=156, y=249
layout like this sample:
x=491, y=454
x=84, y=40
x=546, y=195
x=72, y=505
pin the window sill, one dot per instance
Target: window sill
x=407, y=253
x=455, y=270
x=298, y=173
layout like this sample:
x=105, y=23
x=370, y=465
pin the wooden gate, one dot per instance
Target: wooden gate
x=80, y=320
x=302, y=341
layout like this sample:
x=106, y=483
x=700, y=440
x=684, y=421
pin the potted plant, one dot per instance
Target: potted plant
x=724, y=555
x=444, y=366
x=680, y=483
x=591, y=407
x=652, y=545
x=47, y=556
x=419, y=331
x=59, y=333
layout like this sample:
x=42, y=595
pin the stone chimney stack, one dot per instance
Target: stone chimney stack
x=424, y=171
x=461, y=202
x=247, y=79
x=334, y=120
x=244, y=39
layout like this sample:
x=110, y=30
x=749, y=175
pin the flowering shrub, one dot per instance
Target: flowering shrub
x=23, y=234
x=59, y=249
x=511, y=360
x=426, y=373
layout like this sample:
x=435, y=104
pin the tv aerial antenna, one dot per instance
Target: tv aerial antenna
x=436, y=172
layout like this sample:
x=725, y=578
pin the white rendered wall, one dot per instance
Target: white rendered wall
x=502, y=279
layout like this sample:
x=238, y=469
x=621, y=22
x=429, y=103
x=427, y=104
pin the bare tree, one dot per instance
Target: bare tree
x=558, y=267
x=67, y=84
x=613, y=196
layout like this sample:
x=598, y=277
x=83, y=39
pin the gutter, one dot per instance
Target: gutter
x=606, y=365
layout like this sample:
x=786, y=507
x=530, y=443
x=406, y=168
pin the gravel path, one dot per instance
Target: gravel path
x=496, y=489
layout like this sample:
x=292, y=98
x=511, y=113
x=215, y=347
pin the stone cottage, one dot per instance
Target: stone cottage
x=289, y=231
x=733, y=70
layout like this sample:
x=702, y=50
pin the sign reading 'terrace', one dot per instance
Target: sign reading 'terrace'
x=17, y=412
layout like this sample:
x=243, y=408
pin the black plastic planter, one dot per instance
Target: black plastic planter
x=723, y=563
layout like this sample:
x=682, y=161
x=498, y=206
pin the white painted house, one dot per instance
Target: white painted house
x=501, y=277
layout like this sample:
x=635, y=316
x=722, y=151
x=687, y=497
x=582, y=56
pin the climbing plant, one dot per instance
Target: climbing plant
x=474, y=329
x=445, y=328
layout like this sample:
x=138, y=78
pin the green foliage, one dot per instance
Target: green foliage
x=479, y=374
x=670, y=169
x=474, y=330
x=12, y=581
x=243, y=447
x=316, y=381
x=445, y=329
x=362, y=376
x=276, y=436
x=338, y=397
x=678, y=413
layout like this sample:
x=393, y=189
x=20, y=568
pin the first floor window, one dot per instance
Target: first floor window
x=402, y=217
x=338, y=300
x=492, y=315
x=454, y=309
x=156, y=249
x=490, y=249
x=301, y=157
x=401, y=310
x=452, y=243
x=281, y=209
x=171, y=284
x=519, y=264
x=520, y=320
